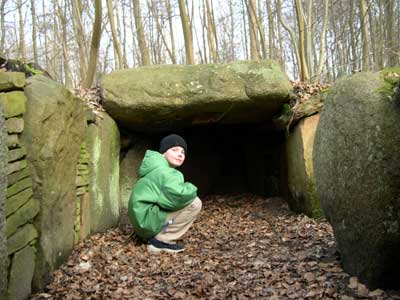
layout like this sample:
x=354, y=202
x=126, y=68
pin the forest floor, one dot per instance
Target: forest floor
x=240, y=247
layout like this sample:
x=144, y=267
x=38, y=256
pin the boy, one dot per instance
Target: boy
x=162, y=206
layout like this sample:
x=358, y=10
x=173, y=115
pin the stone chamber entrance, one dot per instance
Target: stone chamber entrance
x=228, y=159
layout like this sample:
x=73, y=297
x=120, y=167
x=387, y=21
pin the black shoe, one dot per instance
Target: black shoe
x=156, y=246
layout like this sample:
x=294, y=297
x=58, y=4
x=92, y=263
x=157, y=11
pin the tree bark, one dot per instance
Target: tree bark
x=187, y=33
x=21, y=46
x=171, y=31
x=95, y=45
x=304, y=75
x=34, y=46
x=251, y=9
x=211, y=36
x=390, y=39
x=116, y=43
x=365, y=36
x=322, y=43
x=80, y=37
x=2, y=27
x=144, y=50
x=271, y=31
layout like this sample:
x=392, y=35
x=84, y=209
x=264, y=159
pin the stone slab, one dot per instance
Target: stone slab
x=21, y=238
x=14, y=125
x=82, y=180
x=16, y=201
x=12, y=141
x=19, y=186
x=16, y=154
x=172, y=96
x=11, y=80
x=14, y=103
x=21, y=274
x=16, y=176
x=22, y=216
x=16, y=166
x=3, y=186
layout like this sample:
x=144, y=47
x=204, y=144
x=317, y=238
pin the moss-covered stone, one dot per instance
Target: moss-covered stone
x=22, y=216
x=19, y=186
x=54, y=130
x=16, y=166
x=16, y=201
x=21, y=238
x=103, y=143
x=357, y=172
x=11, y=80
x=12, y=141
x=301, y=182
x=21, y=273
x=15, y=125
x=180, y=95
x=82, y=180
x=14, y=177
x=3, y=186
x=15, y=154
x=14, y=103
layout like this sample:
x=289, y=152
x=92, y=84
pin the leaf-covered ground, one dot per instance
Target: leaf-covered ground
x=241, y=247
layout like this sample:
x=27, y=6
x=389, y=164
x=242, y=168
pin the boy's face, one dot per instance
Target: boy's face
x=175, y=156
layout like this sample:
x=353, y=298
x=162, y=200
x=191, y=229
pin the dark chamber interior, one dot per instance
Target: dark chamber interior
x=224, y=159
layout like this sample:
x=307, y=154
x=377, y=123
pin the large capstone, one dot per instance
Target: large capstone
x=54, y=130
x=357, y=172
x=172, y=96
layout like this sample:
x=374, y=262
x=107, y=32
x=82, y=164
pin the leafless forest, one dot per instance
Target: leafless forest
x=315, y=40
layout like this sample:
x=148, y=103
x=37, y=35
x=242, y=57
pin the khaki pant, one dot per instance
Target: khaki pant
x=178, y=222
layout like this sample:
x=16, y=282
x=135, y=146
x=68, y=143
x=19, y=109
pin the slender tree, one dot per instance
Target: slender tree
x=365, y=36
x=94, y=48
x=187, y=32
x=144, y=51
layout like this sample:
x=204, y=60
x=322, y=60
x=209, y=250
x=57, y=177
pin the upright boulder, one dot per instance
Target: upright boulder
x=301, y=181
x=103, y=145
x=357, y=171
x=172, y=96
x=54, y=130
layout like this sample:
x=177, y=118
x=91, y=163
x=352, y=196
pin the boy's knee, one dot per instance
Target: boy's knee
x=196, y=204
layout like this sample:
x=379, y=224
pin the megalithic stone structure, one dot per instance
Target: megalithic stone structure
x=3, y=186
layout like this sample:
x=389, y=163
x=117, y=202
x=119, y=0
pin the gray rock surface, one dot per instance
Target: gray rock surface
x=3, y=188
x=54, y=130
x=357, y=172
x=169, y=96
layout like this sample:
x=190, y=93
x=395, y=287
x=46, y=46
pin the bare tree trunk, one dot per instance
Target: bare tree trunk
x=124, y=54
x=2, y=27
x=187, y=32
x=144, y=50
x=21, y=46
x=304, y=75
x=290, y=31
x=353, y=62
x=246, y=49
x=390, y=39
x=94, y=48
x=34, y=47
x=308, y=35
x=116, y=43
x=365, y=36
x=171, y=31
x=211, y=36
x=80, y=37
x=61, y=16
x=372, y=26
x=323, y=39
x=380, y=36
x=251, y=8
x=271, y=30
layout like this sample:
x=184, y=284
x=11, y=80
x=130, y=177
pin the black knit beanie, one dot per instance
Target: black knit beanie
x=172, y=140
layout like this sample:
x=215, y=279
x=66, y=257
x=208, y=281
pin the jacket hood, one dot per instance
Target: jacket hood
x=151, y=161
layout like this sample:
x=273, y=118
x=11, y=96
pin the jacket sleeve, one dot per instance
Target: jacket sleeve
x=177, y=192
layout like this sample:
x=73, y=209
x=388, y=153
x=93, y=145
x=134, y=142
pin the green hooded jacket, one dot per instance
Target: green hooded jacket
x=160, y=189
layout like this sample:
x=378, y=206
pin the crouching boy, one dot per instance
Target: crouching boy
x=162, y=206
